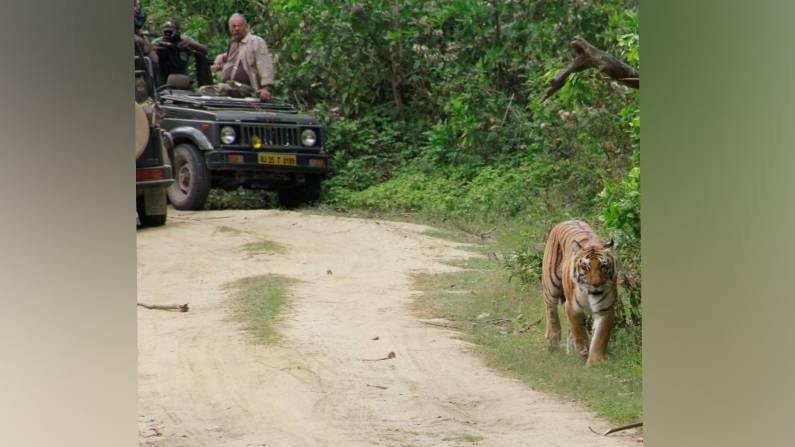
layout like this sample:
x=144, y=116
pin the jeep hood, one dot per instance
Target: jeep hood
x=262, y=116
x=224, y=109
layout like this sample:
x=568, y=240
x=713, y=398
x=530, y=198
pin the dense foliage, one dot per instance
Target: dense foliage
x=432, y=106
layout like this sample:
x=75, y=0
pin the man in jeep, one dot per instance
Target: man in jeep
x=139, y=20
x=247, y=61
x=175, y=50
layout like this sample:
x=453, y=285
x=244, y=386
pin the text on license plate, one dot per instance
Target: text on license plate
x=276, y=159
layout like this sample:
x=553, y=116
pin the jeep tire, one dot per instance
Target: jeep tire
x=192, y=179
x=151, y=206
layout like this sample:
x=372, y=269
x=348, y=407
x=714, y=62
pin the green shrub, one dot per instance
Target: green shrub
x=620, y=203
x=240, y=198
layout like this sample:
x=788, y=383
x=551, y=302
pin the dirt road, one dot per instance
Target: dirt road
x=204, y=382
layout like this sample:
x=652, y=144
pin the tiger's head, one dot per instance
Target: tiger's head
x=593, y=267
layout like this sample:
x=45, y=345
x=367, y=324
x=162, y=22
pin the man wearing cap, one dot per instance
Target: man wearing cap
x=174, y=51
x=247, y=61
x=139, y=20
x=140, y=39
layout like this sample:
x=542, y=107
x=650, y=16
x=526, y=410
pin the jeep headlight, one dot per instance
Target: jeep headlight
x=308, y=137
x=228, y=135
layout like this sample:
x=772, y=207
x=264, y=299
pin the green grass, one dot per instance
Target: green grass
x=459, y=439
x=228, y=230
x=454, y=230
x=260, y=301
x=504, y=319
x=264, y=247
x=463, y=438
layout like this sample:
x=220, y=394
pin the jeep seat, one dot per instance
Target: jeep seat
x=178, y=82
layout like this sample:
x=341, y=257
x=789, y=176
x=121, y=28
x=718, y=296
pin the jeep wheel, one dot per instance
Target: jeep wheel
x=192, y=185
x=156, y=216
x=307, y=193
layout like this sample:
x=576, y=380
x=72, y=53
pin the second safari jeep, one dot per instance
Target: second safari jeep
x=153, y=174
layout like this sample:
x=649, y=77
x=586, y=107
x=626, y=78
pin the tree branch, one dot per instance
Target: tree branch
x=617, y=429
x=178, y=307
x=587, y=56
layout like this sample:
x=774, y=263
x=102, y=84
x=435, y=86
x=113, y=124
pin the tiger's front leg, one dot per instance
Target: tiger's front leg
x=602, y=326
x=577, y=332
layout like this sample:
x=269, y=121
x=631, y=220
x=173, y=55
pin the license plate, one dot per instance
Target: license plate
x=276, y=159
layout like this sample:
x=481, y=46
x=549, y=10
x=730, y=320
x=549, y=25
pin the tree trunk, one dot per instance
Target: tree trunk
x=394, y=62
x=497, y=39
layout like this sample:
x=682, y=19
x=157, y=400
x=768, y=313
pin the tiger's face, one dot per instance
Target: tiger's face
x=593, y=267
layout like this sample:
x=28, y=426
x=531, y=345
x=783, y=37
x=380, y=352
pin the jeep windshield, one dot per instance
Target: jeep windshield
x=226, y=103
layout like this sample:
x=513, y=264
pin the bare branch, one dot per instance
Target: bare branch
x=617, y=429
x=179, y=307
x=587, y=56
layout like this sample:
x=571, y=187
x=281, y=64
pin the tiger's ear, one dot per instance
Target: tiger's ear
x=575, y=247
x=610, y=243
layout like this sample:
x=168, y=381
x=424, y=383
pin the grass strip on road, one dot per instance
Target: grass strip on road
x=260, y=302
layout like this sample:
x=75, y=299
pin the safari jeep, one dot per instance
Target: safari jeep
x=224, y=142
x=153, y=174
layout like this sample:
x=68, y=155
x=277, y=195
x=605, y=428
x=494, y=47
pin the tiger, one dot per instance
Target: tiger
x=579, y=270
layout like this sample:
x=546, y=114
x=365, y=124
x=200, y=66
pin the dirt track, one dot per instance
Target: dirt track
x=203, y=382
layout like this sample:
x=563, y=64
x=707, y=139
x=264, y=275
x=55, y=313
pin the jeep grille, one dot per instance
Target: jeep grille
x=273, y=136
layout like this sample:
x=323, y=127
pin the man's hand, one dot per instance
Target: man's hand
x=264, y=94
x=192, y=45
x=162, y=44
x=219, y=62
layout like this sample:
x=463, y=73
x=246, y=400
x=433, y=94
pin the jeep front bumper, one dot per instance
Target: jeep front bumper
x=267, y=161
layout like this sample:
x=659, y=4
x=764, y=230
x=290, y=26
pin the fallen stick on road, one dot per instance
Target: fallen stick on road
x=432, y=323
x=617, y=429
x=198, y=219
x=156, y=433
x=179, y=307
x=391, y=355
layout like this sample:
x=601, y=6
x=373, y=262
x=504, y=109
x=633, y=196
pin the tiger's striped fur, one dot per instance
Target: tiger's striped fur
x=579, y=269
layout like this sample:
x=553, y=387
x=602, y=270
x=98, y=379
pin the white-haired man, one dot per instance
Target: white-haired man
x=248, y=60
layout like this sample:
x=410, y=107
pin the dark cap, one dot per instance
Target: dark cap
x=170, y=25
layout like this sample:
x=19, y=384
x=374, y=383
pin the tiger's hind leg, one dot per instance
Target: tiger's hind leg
x=569, y=344
x=553, y=323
